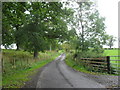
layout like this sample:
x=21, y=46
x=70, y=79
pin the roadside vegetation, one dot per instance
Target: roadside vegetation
x=19, y=65
x=76, y=64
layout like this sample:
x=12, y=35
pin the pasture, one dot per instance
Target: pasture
x=113, y=60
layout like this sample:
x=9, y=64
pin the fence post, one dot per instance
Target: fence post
x=2, y=64
x=108, y=64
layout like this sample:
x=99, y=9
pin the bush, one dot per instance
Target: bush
x=88, y=54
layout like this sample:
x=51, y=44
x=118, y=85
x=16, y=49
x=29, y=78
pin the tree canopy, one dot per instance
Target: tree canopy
x=40, y=26
x=44, y=26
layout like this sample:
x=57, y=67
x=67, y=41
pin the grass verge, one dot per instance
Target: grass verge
x=15, y=77
x=71, y=63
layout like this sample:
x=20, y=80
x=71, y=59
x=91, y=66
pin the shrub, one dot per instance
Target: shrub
x=88, y=54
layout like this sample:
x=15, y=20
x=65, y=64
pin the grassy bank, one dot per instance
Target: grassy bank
x=19, y=65
x=79, y=67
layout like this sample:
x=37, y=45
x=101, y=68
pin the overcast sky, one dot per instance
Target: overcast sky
x=109, y=10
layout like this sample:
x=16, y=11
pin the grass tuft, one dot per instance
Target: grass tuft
x=16, y=70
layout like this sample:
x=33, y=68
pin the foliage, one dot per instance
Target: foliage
x=78, y=66
x=49, y=24
x=111, y=41
x=13, y=18
x=90, y=25
x=14, y=75
x=90, y=29
x=66, y=46
x=45, y=25
x=88, y=54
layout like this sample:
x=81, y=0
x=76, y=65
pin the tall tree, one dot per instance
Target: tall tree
x=111, y=41
x=44, y=25
x=91, y=27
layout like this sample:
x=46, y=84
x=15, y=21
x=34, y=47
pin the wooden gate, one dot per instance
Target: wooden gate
x=102, y=64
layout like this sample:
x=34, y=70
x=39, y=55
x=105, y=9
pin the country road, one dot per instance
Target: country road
x=58, y=75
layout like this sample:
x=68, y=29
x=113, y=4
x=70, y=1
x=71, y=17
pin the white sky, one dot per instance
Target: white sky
x=109, y=10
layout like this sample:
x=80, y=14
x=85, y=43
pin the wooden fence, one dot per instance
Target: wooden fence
x=101, y=64
x=115, y=64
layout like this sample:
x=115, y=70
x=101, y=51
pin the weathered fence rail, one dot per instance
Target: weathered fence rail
x=115, y=63
x=104, y=64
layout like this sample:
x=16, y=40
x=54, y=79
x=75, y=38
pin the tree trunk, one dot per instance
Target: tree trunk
x=50, y=47
x=82, y=27
x=18, y=48
x=110, y=46
x=35, y=54
x=16, y=38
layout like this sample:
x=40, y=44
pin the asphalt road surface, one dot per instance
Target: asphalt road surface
x=58, y=75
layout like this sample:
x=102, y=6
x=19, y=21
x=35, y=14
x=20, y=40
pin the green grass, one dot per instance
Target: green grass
x=111, y=52
x=114, y=64
x=76, y=65
x=15, y=75
x=70, y=62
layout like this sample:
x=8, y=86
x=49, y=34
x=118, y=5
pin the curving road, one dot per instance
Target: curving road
x=58, y=75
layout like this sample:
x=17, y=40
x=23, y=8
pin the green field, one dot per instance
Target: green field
x=111, y=52
x=115, y=64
